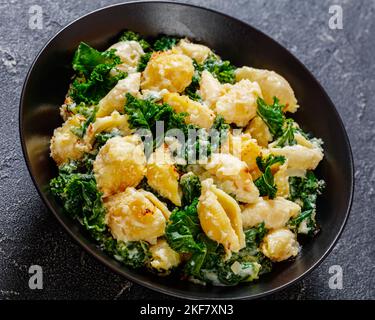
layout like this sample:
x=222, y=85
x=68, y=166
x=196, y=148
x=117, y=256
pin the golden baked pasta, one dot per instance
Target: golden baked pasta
x=176, y=161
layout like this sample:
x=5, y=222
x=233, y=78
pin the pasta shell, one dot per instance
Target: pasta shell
x=220, y=218
x=120, y=163
x=272, y=85
x=65, y=145
x=274, y=213
x=131, y=216
x=162, y=175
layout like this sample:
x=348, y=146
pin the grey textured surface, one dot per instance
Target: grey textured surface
x=340, y=59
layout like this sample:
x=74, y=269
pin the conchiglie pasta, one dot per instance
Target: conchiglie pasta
x=120, y=163
x=129, y=52
x=131, y=216
x=300, y=157
x=246, y=149
x=210, y=89
x=198, y=114
x=163, y=257
x=258, y=129
x=220, y=217
x=162, y=175
x=114, y=121
x=65, y=145
x=272, y=85
x=157, y=203
x=167, y=70
x=233, y=176
x=274, y=213
x=281, y=178
x=280, y=244
x=195, y=51
x=238, y=104
x=115, y=99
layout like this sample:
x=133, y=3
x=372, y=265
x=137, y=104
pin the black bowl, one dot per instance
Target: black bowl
x=47, y=83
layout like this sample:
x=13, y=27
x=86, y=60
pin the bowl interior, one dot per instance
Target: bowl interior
x=48, y=80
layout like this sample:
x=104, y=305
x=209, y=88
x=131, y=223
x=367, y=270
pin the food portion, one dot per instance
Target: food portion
x=176, y=161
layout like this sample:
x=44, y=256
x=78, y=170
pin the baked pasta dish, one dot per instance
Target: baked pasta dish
x=177, y=162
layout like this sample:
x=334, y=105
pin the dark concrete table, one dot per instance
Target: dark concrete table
x=340, y=59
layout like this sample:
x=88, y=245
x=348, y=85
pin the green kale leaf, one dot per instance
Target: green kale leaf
x=93, y=79
x=143, y=61
x=304, y=191
x=102, y=138
x=191, y=188
x=81, y=200
x=183, y=228
x=272, y=115
x=222, y=70
x=145, y=113
x=191, y=90
x=165, y=43
x=134, y=254
x=266, y=182
x=287, y=137
x=134, y=36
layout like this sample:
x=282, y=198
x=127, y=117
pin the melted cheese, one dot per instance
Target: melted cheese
x=163, y=257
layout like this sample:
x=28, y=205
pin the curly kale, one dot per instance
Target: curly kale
x=249, y=262
x=183, y=228
x=287, y=136
x=210, y=264
x=272, y=115
x=304, y=191
x=191, y=188
x=134, y=254
x=93, y=79
x=81, y=200
x=266, y=182
x=222, y=70
x=134, y=36
x=102, y=138
x=143, y=61
x=80, y=108
x=90, y=115
x=144, y=114
x=165, y=43
x=191, y=90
